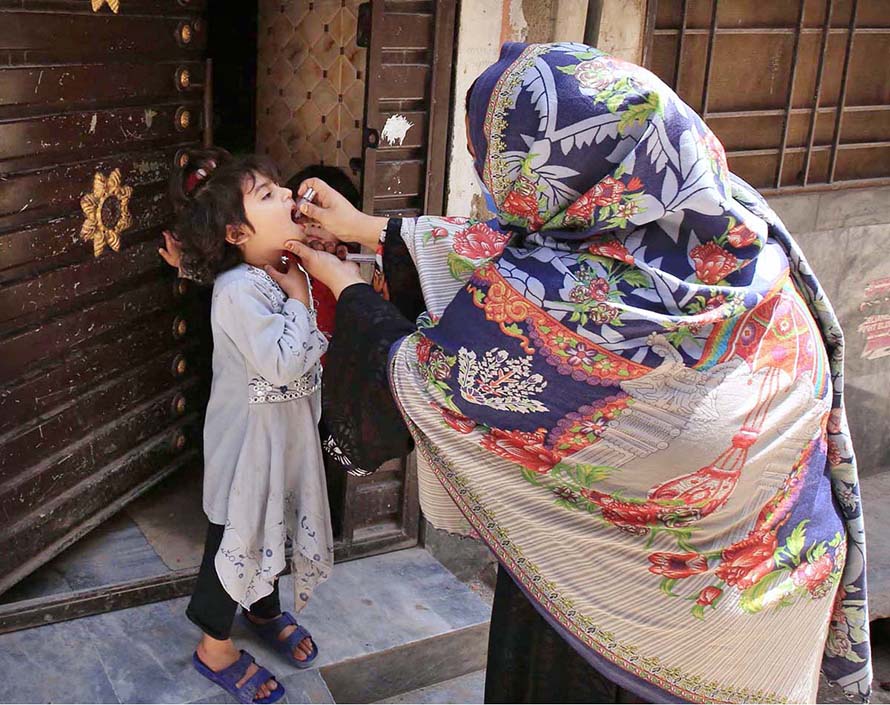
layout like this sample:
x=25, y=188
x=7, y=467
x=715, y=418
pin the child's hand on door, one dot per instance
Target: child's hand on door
x=171, y=252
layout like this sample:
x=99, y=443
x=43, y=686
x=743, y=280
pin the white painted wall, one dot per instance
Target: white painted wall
x=622, y=29
x=478, y=46
x=483, y=25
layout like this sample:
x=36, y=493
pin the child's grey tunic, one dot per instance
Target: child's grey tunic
x=263, y=470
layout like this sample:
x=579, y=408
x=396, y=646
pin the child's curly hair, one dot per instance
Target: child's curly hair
x=208, y=195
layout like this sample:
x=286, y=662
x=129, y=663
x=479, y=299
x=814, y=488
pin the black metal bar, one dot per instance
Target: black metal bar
x=648, y=30
x=771, y=30
x=777, y=112
x=790, y=98
x=821, y=187
x=712, y=36
x=769, y=151
x=680, y=41
x=208, y=103
x=817, y=97
x=73, y=605
x=851, y=35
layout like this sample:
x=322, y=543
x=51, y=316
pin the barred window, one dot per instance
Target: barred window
x=798, y=91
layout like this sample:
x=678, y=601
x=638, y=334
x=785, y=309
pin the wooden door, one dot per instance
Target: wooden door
x=407, y=105
x=406, y=117
x=99, y=343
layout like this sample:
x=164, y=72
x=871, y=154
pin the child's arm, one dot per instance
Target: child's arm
x=281, y=346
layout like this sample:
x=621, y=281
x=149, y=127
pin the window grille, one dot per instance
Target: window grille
x=797, y=91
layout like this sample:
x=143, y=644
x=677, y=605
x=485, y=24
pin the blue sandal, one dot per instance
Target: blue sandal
x=229, y=677
x=269, y=632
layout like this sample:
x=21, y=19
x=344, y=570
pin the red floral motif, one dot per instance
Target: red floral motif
x=677, y=566
x=607, y=192
x=579, y=294
x=439, y=367
x=708, y=595
x=713, y=303
x=524, y=206
x=439, y=233
x=423, y=347
x=480, y=241
x=812, y=575
x=834, y=453
x=599, y=289
x=835, y=419
x=741, y=236
x=456, y=219
x=457, y=421
x=716, y=150
x=580, y=211
x=600, y=314
x=613, y=249
x=629, y=516
x=776, y=511
x=747, y=561
x=712, y=262
x=526, y=449
x=704, y=317
x=838, y=616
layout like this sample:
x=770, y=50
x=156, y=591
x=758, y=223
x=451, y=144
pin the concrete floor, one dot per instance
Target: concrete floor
x=471, y=687
x=143, y=654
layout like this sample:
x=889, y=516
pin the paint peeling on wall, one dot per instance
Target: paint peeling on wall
x=876, y=327
x=516, y=24
x=877, y=336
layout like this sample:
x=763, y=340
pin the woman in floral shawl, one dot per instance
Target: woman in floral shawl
x=628, y=385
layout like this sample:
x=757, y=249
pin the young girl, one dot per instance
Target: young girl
x=263, y=471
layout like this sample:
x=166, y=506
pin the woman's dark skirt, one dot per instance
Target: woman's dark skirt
x=528, y=662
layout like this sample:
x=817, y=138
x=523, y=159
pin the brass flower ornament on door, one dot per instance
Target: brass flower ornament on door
x=106, y=212
x=115, y=5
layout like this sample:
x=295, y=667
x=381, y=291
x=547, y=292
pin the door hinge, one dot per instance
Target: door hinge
x=363, y=31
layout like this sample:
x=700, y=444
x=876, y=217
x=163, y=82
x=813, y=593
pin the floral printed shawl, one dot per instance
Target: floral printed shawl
x=630, y=384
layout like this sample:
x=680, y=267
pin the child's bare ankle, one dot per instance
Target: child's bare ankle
x=215, y=647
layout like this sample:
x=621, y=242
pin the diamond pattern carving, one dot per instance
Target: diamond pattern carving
x=310, y=59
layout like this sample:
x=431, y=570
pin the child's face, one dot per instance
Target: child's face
x=269, y=208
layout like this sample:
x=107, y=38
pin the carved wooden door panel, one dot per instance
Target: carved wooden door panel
x=100, y=388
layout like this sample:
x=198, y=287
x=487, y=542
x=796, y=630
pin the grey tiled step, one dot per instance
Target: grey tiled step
x=408, y=667
x=399, y=609
x=469, y=688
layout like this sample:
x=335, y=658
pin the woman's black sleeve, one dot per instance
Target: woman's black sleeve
x=363, y=427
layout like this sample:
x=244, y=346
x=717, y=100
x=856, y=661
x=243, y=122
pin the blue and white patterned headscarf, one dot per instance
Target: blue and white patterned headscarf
x=630, y=384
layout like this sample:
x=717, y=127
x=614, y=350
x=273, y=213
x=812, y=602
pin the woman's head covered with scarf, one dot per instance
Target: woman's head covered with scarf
x=573, y=143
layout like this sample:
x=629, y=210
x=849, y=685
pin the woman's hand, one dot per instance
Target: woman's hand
x=293, y=282
x=171, y=252
x=334, y=273
x=320, y=239
x=339, y=217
